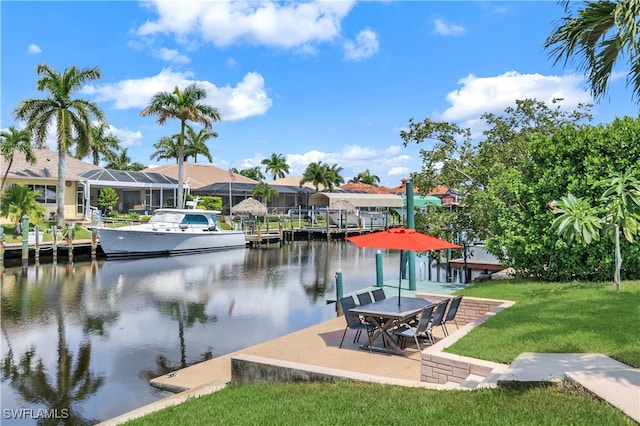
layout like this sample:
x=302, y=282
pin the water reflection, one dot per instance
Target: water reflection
x=87, y=337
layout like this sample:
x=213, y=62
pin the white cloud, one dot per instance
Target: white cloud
x=246, y=99
x=493, y=94
x=281, y=24
x=365, y=45
x=172, y=55
x=443, y=28
x=127, y=138
x=34, y=49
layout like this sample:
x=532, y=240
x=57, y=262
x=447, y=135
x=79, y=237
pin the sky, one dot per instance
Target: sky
x=332, y=82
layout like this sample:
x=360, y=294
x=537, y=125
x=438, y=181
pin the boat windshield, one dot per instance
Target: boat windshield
x=195, y=219
x=166, y=217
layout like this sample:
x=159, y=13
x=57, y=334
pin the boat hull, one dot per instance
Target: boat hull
x=128, y=242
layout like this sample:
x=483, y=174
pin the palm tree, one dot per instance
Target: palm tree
x=277, y=164
x=264, y=191
x=252, y=173
x=100, y=146
x=166, y=148
x=15, y=140
x=366, y=177
x=122, y=161
x=72, y=116
x=317, y=174
x=184, y=106
x=195, y=143
x=20, y=200
x=334, y=178
x=599, y=34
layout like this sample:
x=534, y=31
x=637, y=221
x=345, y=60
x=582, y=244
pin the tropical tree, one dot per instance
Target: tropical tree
x=195, y=143
x=277, y=165
x=101, y=146
x=19, y=200
x=122, y=161
x=183, y=105
x=252, y=173
x=108, y=197
x=72, y=116
x=264, y=191
x=15, y=140
x=597, y=35
x=166, y=148
x=333, y=176
x=579, y=220
x=317, y=174
x=366, y=177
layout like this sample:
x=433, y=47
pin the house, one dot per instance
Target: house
x=83, y=182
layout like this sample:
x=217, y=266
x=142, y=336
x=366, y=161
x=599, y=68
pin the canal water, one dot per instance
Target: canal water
x=80, y=341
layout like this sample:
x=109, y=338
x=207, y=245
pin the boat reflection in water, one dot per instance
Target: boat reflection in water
x=87, y=337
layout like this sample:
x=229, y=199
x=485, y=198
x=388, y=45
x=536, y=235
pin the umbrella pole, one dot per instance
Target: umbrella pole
x=400, y=278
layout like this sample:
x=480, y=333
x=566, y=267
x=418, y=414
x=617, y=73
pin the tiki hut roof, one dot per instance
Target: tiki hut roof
x=250, y=206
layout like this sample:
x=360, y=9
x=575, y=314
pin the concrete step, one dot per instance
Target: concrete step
x=472, y=382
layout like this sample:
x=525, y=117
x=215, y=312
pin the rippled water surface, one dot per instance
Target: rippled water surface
x=81, y=341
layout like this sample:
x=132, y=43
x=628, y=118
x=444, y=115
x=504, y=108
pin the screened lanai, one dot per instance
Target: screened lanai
x=288, y=196
x=141, y=192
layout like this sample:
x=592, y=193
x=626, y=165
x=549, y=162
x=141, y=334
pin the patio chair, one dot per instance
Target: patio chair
x=378, y=294
x=354, y=322
x=451, y=314
x=423, y=329
x=364, y=298
x=438, y=315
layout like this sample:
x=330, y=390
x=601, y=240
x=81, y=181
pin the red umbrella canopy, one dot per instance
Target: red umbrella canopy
x=401, y=239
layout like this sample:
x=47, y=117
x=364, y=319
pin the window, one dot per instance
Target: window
x=195, y=219
x=47, y=193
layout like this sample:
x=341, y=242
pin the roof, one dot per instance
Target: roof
x=326, y=199
x=364, y=187
x=294, y=181
x=223, y=187
x=200, y=175
x=46, y=166
x=425, y=200
x=128, y=178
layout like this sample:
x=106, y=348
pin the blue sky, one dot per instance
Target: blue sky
x=314, y=81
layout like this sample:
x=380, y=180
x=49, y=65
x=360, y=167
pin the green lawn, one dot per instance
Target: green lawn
x=80, y=233
x=570, y=317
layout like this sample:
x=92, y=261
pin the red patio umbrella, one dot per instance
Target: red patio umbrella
x=401, y=239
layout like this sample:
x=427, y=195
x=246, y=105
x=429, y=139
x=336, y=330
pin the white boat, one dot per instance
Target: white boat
x=169, y=232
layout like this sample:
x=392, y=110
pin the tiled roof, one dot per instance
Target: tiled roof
x=46, y=166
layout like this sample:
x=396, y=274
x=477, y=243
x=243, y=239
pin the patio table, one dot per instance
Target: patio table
x=386, y=315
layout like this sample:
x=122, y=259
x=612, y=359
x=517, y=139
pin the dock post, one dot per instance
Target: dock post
x=36, y=230
x=379, y=277
x=54, y=242
x=69, y=238
x=339, y=292
x=94, y=244
x=25, y=241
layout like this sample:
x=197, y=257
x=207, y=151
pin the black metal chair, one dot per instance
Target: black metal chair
x=354, y=322
x=451, y=314
x=438, y=314
x=423, y=329
x=364, y=298
x=378, y=294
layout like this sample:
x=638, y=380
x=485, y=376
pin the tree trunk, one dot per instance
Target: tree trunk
x=62, y=159
x=4, y=178
x=181, y=167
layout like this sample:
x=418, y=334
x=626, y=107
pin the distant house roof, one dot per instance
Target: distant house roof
x=326, y=199
x=46, y=166
x=200, y=175
x=294, y=181
x=364, y=187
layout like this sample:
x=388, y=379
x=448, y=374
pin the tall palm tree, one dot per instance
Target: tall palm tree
x=277, y=164
x=72, y=116
x=101, y=146
x=317, y=174
x=366, y=177
x=15, y=140
x=183, y=105
x=166, y=148
x=597, y=35
x=334, y=178
x=122, y=161
x=252, y=173
x=196, y=143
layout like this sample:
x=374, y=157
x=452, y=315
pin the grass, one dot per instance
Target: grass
x=80, y=233
x=569, y=317
x=557, y=318
x=344, y=403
